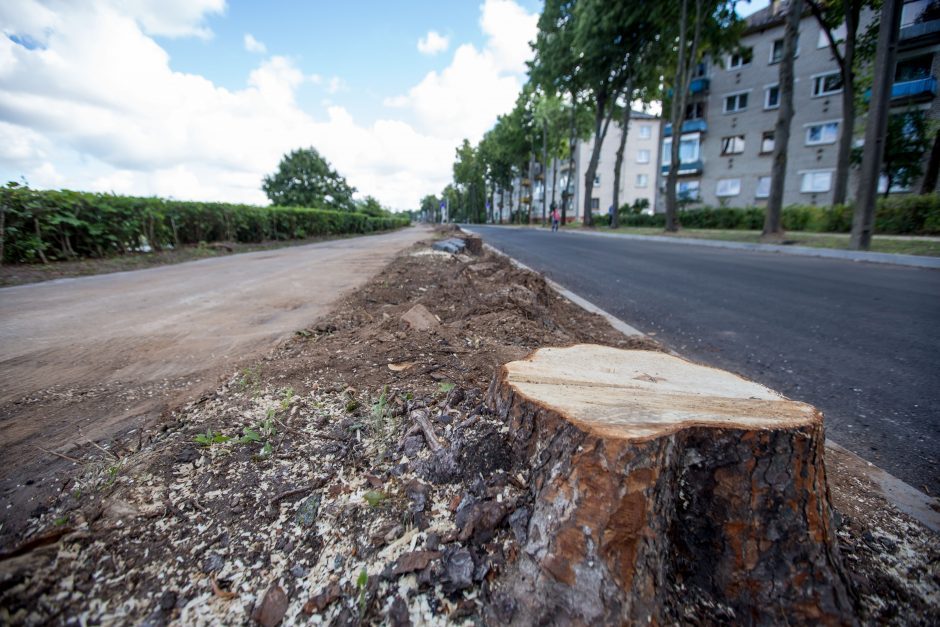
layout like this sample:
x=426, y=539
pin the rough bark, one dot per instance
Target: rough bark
x=864, y=217
x=929, y=184
x=555, y=179
x=544, y=171
x=601, y=123
x=664, y=492
x=618, y=165
x=773, y=224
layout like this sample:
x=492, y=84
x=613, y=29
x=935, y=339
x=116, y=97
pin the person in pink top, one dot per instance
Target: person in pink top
x=554, y=219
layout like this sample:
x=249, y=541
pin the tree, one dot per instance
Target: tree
x=371, y=206
x=864, y=217
x=430, y=208
x=831, y=14
x=714, y=27
x=906, y=141
x=773, y=225
x=306, y=179
x=468, y=178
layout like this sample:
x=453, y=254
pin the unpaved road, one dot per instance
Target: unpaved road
x=87, y=358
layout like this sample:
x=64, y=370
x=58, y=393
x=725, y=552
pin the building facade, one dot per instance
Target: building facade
x=637, y=179
x=727, y=140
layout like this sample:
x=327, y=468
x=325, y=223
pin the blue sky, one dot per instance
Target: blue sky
x=199, y=99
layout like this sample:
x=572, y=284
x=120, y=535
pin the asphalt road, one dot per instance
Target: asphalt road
x=858, y=340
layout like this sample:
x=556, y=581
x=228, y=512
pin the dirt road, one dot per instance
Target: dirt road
x=88, y=358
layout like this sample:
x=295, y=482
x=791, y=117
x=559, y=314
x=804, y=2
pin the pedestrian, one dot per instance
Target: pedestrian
x=554, y=219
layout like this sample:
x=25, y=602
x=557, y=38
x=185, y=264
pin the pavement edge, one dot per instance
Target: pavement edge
x=903, y=496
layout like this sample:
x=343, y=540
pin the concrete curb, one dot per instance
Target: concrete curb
x=915, y=261
x=903, y=496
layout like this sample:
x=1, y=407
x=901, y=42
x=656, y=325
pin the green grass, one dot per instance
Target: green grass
x=880, y=243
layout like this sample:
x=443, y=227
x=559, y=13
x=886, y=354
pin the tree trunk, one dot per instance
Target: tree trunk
x=877, y=125
x=544, y=172
x=773, y=226
x=3, y=223
x=601, y=123
x=555, y=177
x=572, y=146
x=664, y=492
x=929, y=184
x=840, y=189
x=685, y=61
x=618, y=165
x=41, y=245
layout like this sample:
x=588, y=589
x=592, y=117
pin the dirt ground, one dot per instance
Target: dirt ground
x=89, y=359
x=301, y=489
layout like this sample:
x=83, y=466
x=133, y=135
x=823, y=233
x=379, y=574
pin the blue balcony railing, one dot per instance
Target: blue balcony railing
x=912, y=89
x=687, y=167
x=920, y=29
x=689, y=126
x=698, y=85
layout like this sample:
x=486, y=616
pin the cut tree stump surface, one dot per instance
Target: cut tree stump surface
x=664, y=492
x=639, y=395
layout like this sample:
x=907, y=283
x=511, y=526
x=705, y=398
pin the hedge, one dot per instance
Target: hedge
x=67, y=225
x=896, y=215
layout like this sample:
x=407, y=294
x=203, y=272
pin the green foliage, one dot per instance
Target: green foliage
x=362, y=583
x=66, y=225
x=372, y=207
x=304, y=178
x=373, y=497
x=209, y=438
x=895, y=215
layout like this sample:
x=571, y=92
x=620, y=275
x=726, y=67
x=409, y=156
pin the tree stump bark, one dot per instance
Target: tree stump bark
x=663, y=491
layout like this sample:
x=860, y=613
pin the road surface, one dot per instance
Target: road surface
x=87, y=358
x=860, y=341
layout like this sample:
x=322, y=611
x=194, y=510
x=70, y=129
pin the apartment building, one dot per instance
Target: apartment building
x=727, y=141
x=637, y=179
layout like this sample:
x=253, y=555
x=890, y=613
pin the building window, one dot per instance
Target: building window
x=595, y=204
x=827, y=84
x=645, y=131
x=776, y=51
x=740, y=58
x=597, y=180
x=913, y=12
x=825, y=133
x=642, y=180
x=767, y=142
x=728, y=187
x=735, y=102
x=687, y=190
x=701, y=70
x=642, y=156
x=772, y=97
x=688, y=149
x=763, y=187
x=816, y=181
x=913, y=69
x=695, y=110
x=733, y=145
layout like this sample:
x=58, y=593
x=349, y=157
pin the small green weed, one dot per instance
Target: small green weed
x=444, y=387
x=60, y=521
x=373, y=497
x=209, y=438
x=361, y=583
x=251, y=378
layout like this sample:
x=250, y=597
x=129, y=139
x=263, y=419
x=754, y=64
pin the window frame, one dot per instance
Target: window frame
x=816, y=78
x=822, y=141
x=691, y=198
x=814, y=173
x=737, y=96
x=750, y=58
x=763, y=138
x=736, y=191
x=757, y=190
x=645, y=181
x=647, y=152
x=729, y=142
x=767, y=105
x=773, y=45
x=644, y=131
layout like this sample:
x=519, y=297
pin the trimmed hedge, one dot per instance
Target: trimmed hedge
x=896, y=215
x=69, y=225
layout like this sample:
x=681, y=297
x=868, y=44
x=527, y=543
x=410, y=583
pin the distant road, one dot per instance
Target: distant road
x=860, y=341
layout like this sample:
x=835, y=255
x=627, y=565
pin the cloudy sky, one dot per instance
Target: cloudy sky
x=198, y=99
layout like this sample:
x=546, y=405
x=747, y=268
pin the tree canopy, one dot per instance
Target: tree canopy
x=304, y=178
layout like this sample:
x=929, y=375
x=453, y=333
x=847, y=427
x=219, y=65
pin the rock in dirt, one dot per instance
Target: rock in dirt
x=459, y=569
x=418, y=495
x=420, y=319
x=453, y=245
x=212, y=563
x=416, y=560
x=323, y=599
x=272, y=608
x=307, y=513
x=399, y=615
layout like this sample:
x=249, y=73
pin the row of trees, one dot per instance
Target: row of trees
x=597, y=59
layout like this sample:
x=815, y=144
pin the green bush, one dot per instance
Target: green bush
x=67, y=225
x=909, y=215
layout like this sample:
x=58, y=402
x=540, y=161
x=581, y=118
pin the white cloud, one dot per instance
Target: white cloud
x=97, y=106
x=432, y=43
x=253, y=45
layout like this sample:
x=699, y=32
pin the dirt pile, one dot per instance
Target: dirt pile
x=353, y=475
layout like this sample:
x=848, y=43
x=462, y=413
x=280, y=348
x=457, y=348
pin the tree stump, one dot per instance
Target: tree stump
x=664, y=491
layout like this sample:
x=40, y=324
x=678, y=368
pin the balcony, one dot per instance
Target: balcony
x=923, y=88
x=689, y=126
x=686, y=168
x=698, y=85
x=918, y=30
